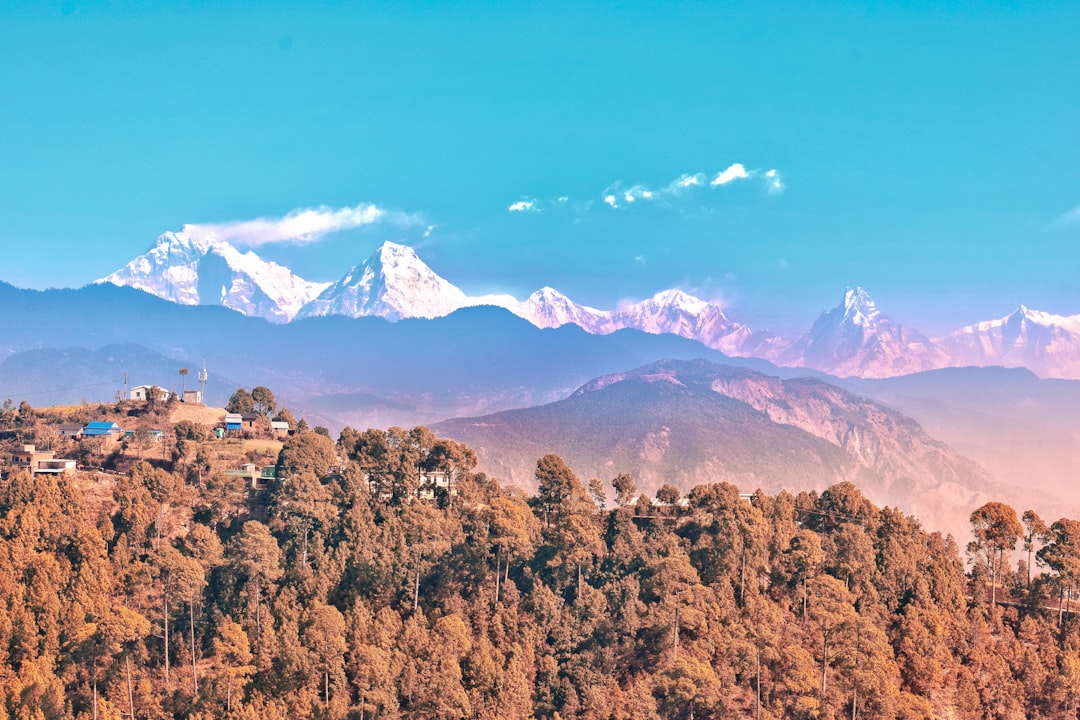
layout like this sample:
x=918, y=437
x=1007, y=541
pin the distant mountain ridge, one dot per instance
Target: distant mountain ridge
x=854, y=339
x=691, y=422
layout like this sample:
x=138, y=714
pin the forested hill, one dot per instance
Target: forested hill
x=345, y=594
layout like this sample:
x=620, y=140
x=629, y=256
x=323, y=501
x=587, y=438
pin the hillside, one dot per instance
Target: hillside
x=688, y=423
x=155, y=597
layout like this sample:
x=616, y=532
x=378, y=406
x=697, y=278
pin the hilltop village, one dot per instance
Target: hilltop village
x=164, y=559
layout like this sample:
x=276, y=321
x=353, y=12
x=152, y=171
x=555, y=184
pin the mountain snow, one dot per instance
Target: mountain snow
x=853, y=339
x=199, y=270
x=1046, y=344
x=393, y=283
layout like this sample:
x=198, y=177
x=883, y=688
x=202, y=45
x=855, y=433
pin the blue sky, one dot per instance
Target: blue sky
x=927, y=151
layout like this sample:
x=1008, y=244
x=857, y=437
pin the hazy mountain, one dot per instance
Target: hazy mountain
x=362, y=371
x=855, y=338
x=197, y=270
x=1022, y=428
x=63, y=376
x=1046, y=344
x=694, y=422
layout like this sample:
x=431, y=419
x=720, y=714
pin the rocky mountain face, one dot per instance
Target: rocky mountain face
x=192, y=270
x=853, y=339
x=856, y=339
x=690, y=422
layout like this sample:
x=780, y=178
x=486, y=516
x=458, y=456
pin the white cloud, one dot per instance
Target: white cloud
x=736, y=171
x=638, y=192
x=677, y=191
x=301, y=226
x=524, y=206
x=685, y=181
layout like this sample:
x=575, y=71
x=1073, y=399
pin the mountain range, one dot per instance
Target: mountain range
x=854, y=339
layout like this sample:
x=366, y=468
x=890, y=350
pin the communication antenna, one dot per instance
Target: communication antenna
x=203, y=377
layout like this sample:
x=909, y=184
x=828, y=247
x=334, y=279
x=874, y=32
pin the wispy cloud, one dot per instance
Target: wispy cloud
x=528, y=205
x=301, y=226
x=619, y=195
x=1070, y=218
x=773, y=183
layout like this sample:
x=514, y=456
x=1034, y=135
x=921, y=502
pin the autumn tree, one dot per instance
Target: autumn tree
x=1062, y=555
x=996, y=529
x=240, y=402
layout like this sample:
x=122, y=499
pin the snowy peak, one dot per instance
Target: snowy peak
x=859, y=308
x=855, y=338
x=1045, y=343
x=392, y=283
x=195, y=269
x=549, y=308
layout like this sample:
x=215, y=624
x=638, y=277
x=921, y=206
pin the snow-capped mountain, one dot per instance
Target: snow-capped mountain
x=855, y=338
x=1046, y=344
x=198, y=270
x=393, y=283
x=549, y=308
x=852, y=339
x=678, y=313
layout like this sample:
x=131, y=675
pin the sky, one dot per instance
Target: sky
x=766, y=155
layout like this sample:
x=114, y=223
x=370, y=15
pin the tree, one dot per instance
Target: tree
x=996, y=529
x=668, y=494
x=1062, y=555
x=1035, y=531
x=264, y=401
x=256, y=559
x=625, y=489
x=325, y=636
x=241, y=402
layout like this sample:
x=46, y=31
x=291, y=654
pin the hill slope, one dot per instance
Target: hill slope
x=698, y=422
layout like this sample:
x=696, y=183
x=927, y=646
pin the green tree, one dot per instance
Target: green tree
x=264, y=402
x=241, y=402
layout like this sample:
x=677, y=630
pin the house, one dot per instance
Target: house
x=249, y=420
x=41, y=461
x=257, y=478
x=105, y=434
x=142, y=392
x=192, y=396
x=234, y=421
x=432, y=482
x=280, y=428
x=70, y=430
x=28, y=456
